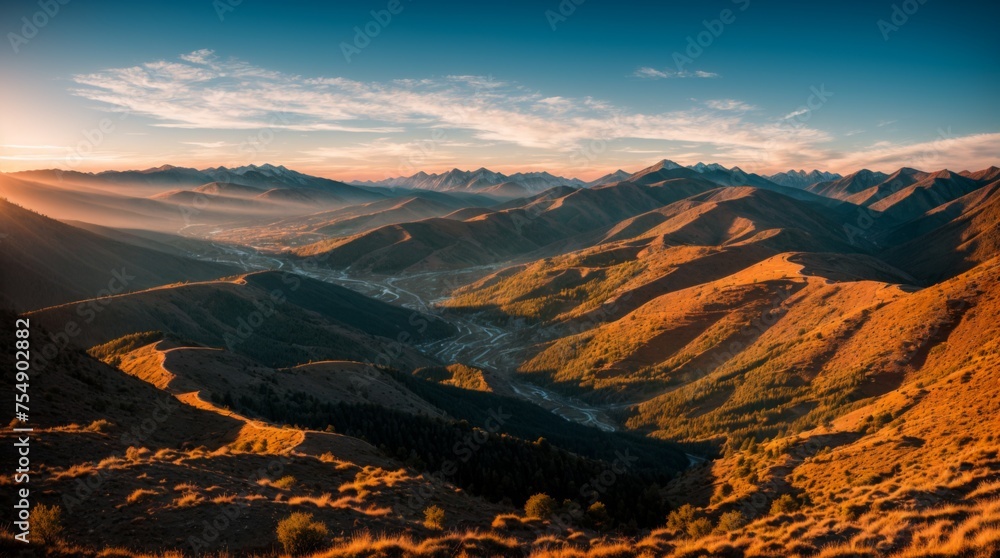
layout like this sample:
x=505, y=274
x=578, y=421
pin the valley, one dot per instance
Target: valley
x=725, y=347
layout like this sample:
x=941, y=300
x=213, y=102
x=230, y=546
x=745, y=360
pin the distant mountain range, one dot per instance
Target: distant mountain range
x=264, y=179
x=801, y=178
x=476, y=181
x=487, y=181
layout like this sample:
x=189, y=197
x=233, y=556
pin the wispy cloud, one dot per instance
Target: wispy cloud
x=208, y=144
x=647, y=72
x=971, y=152
x=201, y=91
x=729, y=104
x=380, y=123
x=884, y=123
x=795, y=113
x=203, y=56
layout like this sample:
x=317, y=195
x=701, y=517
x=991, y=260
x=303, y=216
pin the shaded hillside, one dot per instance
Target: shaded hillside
x=951, y=238
x=925, y=194
x=46, y=262
x=276, y=318
x=891, y=184
x=843, y=188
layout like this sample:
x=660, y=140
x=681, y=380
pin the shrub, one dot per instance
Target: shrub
x=540, y=506
x=598, y=516
x=299, y=534
x=786, y=503
x=678, y=519
x=731, y=521
x=46, y=522
x=434, y=518
x=699, y=528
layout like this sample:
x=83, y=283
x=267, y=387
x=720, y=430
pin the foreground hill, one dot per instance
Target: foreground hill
x=202, y=455
x=912, y=472
x=117, y=451
x=46, y=262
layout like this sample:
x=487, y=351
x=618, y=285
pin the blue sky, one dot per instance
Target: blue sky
x=578, y=89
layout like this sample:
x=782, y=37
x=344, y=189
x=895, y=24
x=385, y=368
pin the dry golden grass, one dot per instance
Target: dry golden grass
x=140, y=495
x=189, y=499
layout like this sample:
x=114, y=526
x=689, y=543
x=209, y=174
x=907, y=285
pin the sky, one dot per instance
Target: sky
x=579, y=88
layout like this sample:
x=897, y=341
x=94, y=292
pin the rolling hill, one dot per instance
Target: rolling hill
x=764, y=383
x=46, y=262
x=511, y=231
x=698, y=239
x=279, y=319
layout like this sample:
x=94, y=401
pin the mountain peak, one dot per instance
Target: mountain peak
x=666, y=164
x=702, y=167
